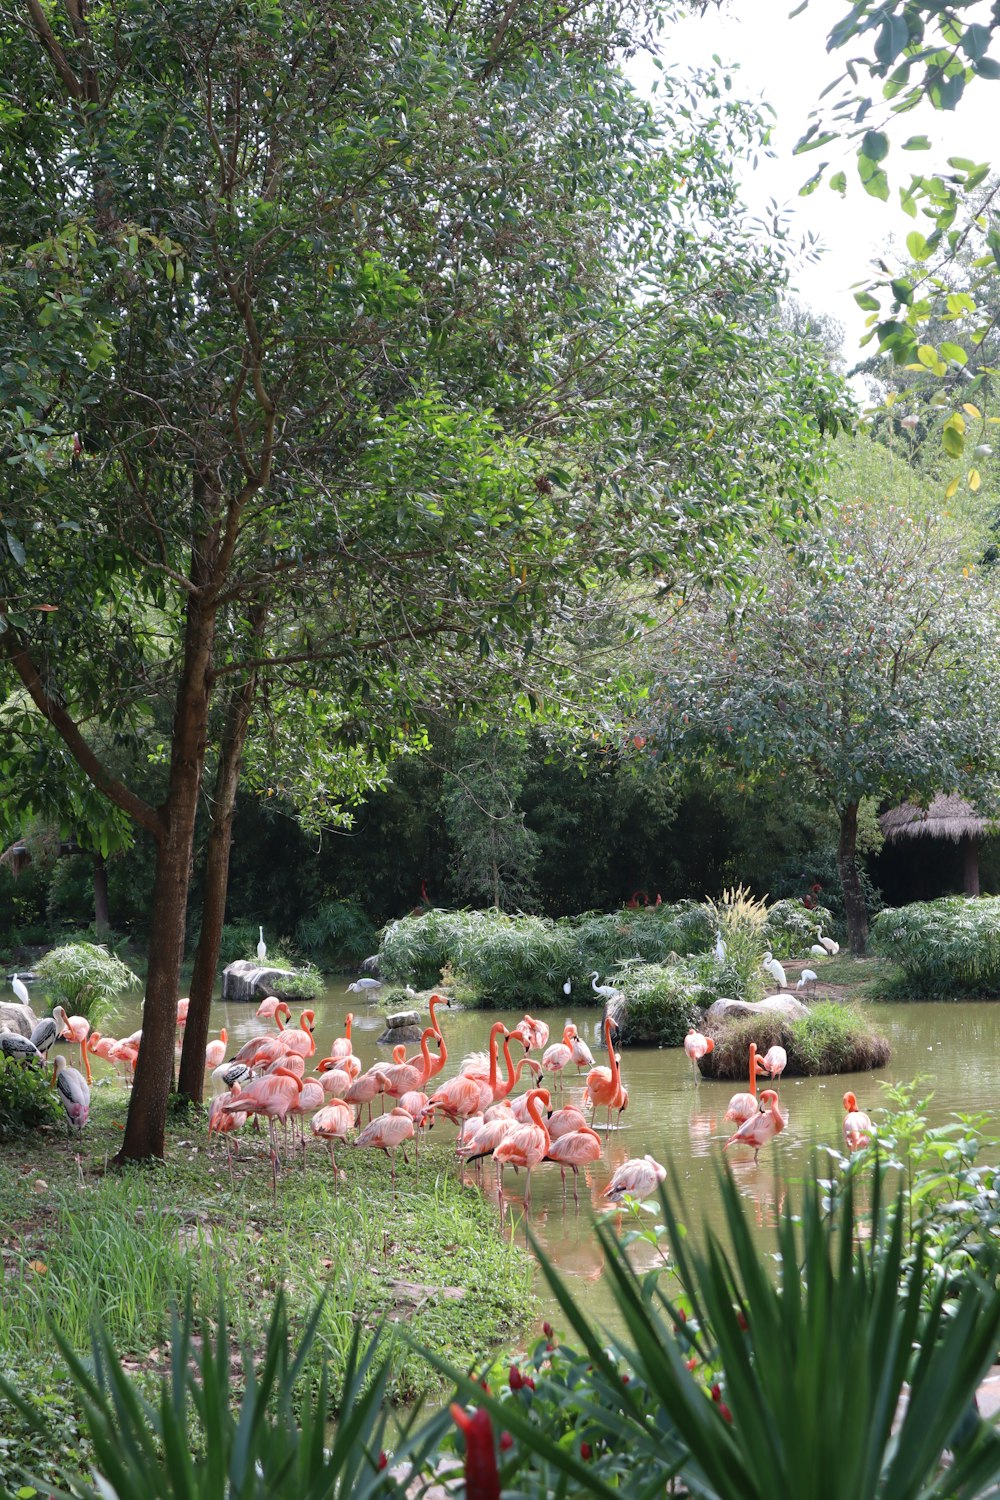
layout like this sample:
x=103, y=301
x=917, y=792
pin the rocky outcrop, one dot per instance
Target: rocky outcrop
x=251, y=983
x=402, y=1026
x=20, y=1018
x=785, y=1006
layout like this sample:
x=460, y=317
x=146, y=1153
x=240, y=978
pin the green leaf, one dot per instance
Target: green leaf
x=867, y=302
x=917, y=245
x=917, y=143
x=901, y=290
x=953, y=441
x=875, y=145
x=954, y=352
x=838, y=183
x=877, y=185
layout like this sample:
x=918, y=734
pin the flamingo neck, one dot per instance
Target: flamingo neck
x=279, y=1018
x=527, y=1062
x=615, y=1074
x=753, y=1069
x=534, y=1108
x=511, y=1075
x=495, y=1031
x=347, y=1025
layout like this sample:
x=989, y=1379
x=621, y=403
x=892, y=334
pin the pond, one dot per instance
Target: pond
x=956, y=1047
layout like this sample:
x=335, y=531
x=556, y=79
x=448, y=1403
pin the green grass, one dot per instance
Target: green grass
x=832, y=1038
x=80, y=1243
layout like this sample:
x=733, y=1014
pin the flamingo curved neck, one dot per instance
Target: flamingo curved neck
x=534, y=1108
x=753, y=1069
x=495, y=1031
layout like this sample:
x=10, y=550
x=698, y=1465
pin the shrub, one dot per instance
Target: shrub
x=948, y=947
x=26, y=1101
x=515, y=961
x=338, y=934
x=662, y=1004
x=739, y=920
x=86, y=979
x=238, y=940
x=832, y=1038
x=414, y=949
x=790, y=929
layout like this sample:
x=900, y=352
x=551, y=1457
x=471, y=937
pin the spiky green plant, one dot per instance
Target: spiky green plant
x=86, y=979
x=212, y=1434
x=849, y=1376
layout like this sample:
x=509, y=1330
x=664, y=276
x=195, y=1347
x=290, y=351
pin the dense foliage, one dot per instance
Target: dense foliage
x=663, y=1004
x=946, y=948
x=26, y=1100
x=85, y=978
x=832, y=1038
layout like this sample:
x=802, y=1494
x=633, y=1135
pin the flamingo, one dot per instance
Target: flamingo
x=101, y=1046
x=342, y=1046
x=744, y=1106
x=74, y=1093
x=858, y=1128
x=484, y=1139
x=697, y=1046
x=290, y=1061
x=458, y=1098
x=388, y=1133
x=775, y=1061
x=215, y=1052
x=534, y=1034
x=271, y=1096
x=526, y=1145
x=563, y=1121
x=762, y=1127
x=575, y=1149
x=775, y=970
x=557, y=1057
x=182, y=1011
x=220, y=1123
x=74, y=1029
x=363, y=1090
x=635, y=1178
x=334, y=1081
x=604, y=1085
x=310, y=1098
x=270, y=1007
x=332, y=1123
x=125, y=1052
x=478, y=1065
x=829, y=945
x=300, y=1038
x=582, y=1055
x=405, y=1077
x=20, y=990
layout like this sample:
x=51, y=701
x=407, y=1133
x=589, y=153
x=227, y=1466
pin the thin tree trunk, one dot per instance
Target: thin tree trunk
x=191, y=1082
x=145, y=1125
x=850, y=879
x=102, y=909
x=970, y=866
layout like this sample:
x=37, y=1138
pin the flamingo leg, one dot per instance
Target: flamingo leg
x=85, y=1059
x=576, y=1179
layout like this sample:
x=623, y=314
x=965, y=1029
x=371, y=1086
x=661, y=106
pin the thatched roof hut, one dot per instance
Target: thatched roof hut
x=947, y=817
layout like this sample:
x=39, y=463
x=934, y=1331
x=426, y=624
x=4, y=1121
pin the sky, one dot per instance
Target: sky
x=784, y=61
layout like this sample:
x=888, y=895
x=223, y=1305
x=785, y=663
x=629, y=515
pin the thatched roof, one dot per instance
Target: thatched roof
x=948, y=817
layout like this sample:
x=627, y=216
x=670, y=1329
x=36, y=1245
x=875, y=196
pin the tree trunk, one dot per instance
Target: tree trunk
x=191, y=1083
x=850, y=879
x=102, y=910
x=970, y=866
x=147, y=1114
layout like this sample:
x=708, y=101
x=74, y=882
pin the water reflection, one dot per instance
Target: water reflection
x=680, y=1121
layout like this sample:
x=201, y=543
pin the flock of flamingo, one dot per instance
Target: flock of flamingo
x=266, y=1079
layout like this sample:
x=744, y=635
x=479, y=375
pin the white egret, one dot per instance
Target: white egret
x=775, y=970
x=828, y=944
x=607, y=990
x=808, y=976
x=20, y=990
x=720, y=947
x=567, y=986
x=261, y=946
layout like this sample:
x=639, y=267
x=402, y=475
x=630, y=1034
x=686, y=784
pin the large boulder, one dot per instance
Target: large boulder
x=785, y=1006
x=402, y=1026
x=20, y=1018
x=252, y=983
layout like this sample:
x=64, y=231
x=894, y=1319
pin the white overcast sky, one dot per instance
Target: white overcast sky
x=785, y=62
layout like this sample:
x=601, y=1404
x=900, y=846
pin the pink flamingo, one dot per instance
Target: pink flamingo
x=762, y=1127
x=334, y=1081
x=388, y=1133
x=364, y=1089
x=775, y=1061
x=342, y=1046
x=271, y=1096
x=564, y=1121
x=271, y=1008
x=575, y=1149
x=415, y=1103
x=215, y=1052
x=534, y=1034
x=744, y=1106
x=332, y=1123
x=290, y=1061
x=182, y=1011
x=74, y=1029
x=458, y=1098
x=697, y=1046
x=300, y=1038
x=558, y=1056
x=604, y=1085
x=432, y=1005
x=582, y=1055
x=409, y=1076
x=220, y=1123
x=636, y=1178
x=311, y=1098
x=477, y=1065
x=858, y=1128
x=525, y=1145
x=100, y=1046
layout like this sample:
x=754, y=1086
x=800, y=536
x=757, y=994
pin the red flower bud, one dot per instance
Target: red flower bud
x=625, y=1380
x=692, y=1362
x=727, y=1415
x=529, y=1382
x=550, y=1346
x=506, y=1442
x=383, y=1459
x=586, y=1452
x=682, y=1316
x=716, y=1392
x=548, y=1330
x=516, y=1378
x=741, y=1320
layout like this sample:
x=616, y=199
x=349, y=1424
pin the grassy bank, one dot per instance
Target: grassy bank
x=79, y=1242
x=832, y=1038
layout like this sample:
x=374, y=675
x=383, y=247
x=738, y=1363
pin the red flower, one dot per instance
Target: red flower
x=741, y=1320
x=716, y=1392
x=529, y=1382
x=727, y=1415
x=516, y=1378
x=383, y=1459
x=482, y=1481
x=548, y=1330
x=506, y=1442
x=586, y=1452
x=692, y=1362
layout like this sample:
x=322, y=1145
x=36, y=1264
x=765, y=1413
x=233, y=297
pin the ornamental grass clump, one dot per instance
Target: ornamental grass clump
x=832, y=1038
x=739, y=918
x=86, y=979
x=515, y=961
x=946, y=948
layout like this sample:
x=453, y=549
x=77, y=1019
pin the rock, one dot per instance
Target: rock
x=403, y=1018
x=785, y=1006
x=20, y=1018
x=402, y=1026
x=253, y=982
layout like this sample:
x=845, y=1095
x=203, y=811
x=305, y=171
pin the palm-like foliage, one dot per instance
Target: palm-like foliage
x=848, y=1377
x=201, y=1439
x=85, y=978
x=945, y=946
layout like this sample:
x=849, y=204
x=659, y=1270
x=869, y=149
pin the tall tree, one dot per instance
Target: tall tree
x=398, y=325
x=863, y=664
